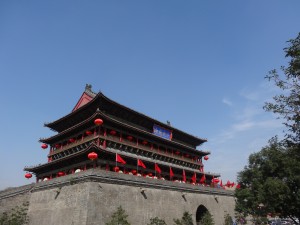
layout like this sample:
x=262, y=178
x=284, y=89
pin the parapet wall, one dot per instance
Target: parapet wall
x=90, y=198
x=12, y=197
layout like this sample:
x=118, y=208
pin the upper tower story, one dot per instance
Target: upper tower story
x=90, y=102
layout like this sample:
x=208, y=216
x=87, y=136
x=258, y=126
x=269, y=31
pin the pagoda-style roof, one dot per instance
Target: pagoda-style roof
x=123, y=126
x=121, y=113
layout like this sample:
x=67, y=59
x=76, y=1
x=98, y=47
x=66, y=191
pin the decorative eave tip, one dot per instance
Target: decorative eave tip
x=89, y=91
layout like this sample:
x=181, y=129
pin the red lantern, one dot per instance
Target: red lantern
x=116, y=169
x=113, y=132
x=71, y=140
x=215, y=180
x=88, y=132
x=60, y=174
x=28, y=175
x=57, y=145
x=133, y=172
x=98, y=122
x=130, y=138
x=206, y=157
x=92, y=155
x=177, y=152
x=145, y=142
x=187, y=155
x=44, y=146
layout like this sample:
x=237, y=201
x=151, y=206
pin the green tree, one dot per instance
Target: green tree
x=185, y=220
x=16, y=216
x=228, y=219
x=156, y=221
x=119, y=217
x=207, y=219
x=287, y=103
x=270, y=183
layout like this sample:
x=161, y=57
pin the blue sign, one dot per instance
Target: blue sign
x=162, y=132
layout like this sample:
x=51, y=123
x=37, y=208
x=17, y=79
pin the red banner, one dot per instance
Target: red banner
x=157, y=169
x=171, y=172
x=119, y=159
x=140, y=163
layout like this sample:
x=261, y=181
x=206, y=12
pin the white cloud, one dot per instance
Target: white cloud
x=249, y=129
x=243, y=126
x=227, y=101
x=250, y=95
x=248, y=112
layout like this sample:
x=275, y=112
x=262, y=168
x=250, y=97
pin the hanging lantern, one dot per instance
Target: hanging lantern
x=133, y=172
x=60, y=174
x=72, y=140
x=44, y=146
x=92, y=155
x=130, y=138
x=98, y=122
x=57, y=145
x=28, y=175
x=177, y=152
x=77, y=170
x=116, y=169
x=215, y=180
x=88, y=132
x=206, y=157
x=113, y=132
x=145, y=142
x=187, y=155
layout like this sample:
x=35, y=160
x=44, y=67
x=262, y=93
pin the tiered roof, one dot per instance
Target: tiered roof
x=121, y=113
x=124, y=121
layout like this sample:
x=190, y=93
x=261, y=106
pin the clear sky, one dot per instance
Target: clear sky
x=199, y=64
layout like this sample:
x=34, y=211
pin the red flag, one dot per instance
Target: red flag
x=157, y=169
x=221, y=184
x=194, y=178
x=228, y=183
x=202, y=180
x=232, y=184
x=171, y=172
x=140, y=163
x=183, y=176
x=119, y=159
x=238, y=186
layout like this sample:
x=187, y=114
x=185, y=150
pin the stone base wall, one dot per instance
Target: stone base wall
x=91, y=197
x=12, y=197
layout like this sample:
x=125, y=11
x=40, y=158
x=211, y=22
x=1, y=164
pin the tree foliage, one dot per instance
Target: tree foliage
x=207, y=219
x=156, y=221
x=270, y=183
x=16, y=216
x=287, y=104
x=119, y=217
x=228, y=220
x=185, y=220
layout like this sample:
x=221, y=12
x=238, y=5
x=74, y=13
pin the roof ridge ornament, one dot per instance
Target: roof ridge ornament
x=88, y=89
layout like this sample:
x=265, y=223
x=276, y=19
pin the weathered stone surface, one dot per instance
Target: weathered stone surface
x=16, y=196
x=90, y=198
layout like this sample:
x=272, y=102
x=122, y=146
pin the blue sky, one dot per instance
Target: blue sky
x=199, y=64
